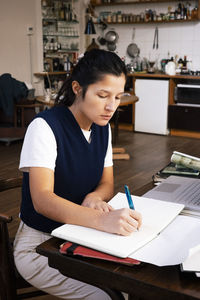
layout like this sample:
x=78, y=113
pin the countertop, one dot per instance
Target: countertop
x=162, y=75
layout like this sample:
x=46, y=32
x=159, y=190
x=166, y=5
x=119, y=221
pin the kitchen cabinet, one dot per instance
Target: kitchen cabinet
x=183, y=117
x=192, y=13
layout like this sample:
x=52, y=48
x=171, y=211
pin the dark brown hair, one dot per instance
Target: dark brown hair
x=90, y=68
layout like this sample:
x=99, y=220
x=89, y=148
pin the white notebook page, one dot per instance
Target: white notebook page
x=156, y=215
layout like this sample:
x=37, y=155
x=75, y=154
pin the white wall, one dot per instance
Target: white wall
x=20, y=54
x=176, y=38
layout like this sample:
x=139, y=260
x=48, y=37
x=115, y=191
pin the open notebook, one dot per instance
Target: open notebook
x=156, y=215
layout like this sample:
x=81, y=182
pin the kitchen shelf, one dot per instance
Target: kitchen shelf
x=132, y=2
x=194, y=18
x=67, y=50
x=51, y=73
x=63, y=35
x=153, y=22
x=60, y=20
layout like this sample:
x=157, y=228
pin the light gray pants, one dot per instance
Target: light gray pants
x=35, y=269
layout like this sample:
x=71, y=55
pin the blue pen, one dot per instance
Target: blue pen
x=128, y=196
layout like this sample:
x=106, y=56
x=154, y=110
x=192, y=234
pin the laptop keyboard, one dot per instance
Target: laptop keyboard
x=190, y=194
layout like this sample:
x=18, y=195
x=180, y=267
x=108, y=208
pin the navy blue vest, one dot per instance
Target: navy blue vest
x=79, y=164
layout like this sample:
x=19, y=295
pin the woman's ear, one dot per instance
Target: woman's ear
x=76, y=87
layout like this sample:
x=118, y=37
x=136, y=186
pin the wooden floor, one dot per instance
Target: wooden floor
x=148, y=154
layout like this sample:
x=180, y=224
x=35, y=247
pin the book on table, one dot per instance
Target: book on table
x=156, y=215
x=186, y=160
x=175, y=169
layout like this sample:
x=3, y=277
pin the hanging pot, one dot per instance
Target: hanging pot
x=101, y=40
x=111, y=46
x=132, y=48
x=111, y=36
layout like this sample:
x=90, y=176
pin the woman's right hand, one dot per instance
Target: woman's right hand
x=121, y=221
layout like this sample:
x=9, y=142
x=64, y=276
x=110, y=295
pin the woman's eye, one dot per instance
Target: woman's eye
x=102, y=96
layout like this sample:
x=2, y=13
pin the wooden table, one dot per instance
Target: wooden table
x=143, y=282
x=41, y=99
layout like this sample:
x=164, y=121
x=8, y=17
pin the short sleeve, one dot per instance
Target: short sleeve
x=39, y=147
x=108, y=162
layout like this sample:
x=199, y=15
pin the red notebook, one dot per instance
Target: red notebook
x=69, y=248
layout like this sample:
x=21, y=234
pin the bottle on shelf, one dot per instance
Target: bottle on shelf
x=62, y=12
x=66, y=13
x=55, y=46
x=189, y=11
x=67, y=64
x=51, y=44
x=184, y=67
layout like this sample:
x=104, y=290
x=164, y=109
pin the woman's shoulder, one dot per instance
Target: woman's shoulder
x=51, y=114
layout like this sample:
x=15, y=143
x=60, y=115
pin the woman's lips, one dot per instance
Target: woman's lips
x=106, y=117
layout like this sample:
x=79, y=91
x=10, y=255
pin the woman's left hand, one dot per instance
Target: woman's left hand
x=96, y=203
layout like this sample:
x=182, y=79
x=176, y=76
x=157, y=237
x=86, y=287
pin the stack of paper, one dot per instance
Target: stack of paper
x=192, y=263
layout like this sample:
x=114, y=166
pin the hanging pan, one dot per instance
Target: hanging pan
x=132, y=48
x=111, y=36
x=111, y=46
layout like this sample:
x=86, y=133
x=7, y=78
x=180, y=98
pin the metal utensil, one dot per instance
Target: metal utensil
x=155, y=41
x=111, y=46
x=101, y=40
x=111, y=36
x=132, y=48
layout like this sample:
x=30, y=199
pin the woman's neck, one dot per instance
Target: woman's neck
x=84, y=123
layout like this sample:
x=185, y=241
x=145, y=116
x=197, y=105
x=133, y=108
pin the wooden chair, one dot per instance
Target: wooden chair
x=11, y=281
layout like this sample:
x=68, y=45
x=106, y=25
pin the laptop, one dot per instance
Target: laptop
x=179, y=189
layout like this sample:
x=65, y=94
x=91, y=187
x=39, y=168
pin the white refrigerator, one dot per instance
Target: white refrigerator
x=152, y=107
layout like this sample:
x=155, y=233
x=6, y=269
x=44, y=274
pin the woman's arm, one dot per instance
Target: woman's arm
x=47, y=203
x=103, y=193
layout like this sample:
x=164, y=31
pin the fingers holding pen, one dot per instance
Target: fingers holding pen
x=136, y=216
x=121, y=221
x=132, y=221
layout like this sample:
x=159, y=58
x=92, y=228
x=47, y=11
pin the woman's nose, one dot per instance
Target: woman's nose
x=111, y=105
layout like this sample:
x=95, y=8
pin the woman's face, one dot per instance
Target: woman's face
x=100, y=102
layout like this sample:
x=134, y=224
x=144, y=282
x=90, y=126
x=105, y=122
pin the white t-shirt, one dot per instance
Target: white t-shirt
x=40, y=149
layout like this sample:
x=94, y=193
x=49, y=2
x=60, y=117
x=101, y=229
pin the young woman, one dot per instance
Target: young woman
x=68, y=175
